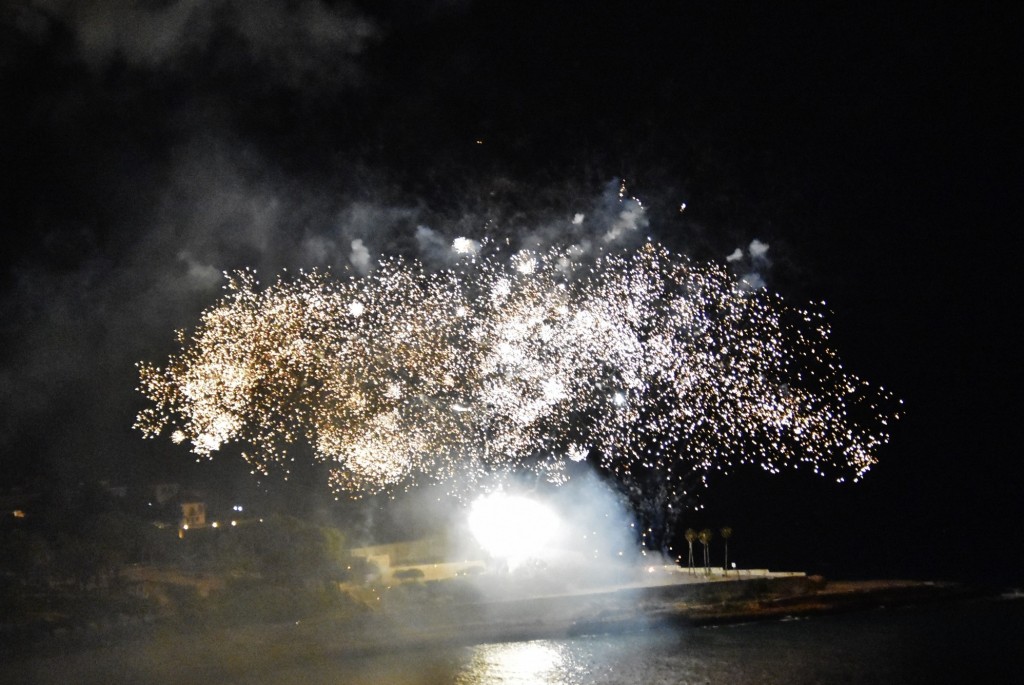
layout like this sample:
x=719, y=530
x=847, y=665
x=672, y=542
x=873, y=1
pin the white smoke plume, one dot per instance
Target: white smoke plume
x=433, y=247
x=751, y=282
x=756, y=261
x=360, y=257
x=200, y=276
x=758, y=250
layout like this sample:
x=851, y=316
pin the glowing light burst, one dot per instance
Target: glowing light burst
x=644, y=364
x=511, y=527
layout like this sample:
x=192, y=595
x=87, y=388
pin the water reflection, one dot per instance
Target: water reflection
x=912, y=645
x=540, y=661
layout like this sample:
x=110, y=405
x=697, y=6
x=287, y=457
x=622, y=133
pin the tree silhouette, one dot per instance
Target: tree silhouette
x=691, y=535
x=726, y=533
x=705, y=539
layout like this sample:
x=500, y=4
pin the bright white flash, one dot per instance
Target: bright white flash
x=512, y=527
x=465, y=246
x=526, y=264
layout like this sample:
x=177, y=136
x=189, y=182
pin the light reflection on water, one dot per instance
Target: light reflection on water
x=526, y=663
x=915, y=645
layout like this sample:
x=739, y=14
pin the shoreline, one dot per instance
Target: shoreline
x=649, y=607
x=229, y=653
x=833, y=598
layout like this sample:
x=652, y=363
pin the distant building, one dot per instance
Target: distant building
x=193, y=514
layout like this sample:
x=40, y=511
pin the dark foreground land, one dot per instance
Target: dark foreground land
x=225, y=654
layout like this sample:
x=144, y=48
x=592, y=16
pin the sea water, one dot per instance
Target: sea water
x=967, y=641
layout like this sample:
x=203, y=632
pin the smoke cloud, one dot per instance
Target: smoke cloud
x=360, y=257
x=752, y=263
x=288, y=41
x=758, y=250
x=176, y=141
x=433, y=247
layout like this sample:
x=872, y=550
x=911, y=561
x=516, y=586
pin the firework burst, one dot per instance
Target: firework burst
x=644, y=364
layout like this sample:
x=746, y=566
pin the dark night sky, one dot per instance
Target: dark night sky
x=148, y=146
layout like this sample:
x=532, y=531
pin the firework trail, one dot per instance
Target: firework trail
x=645, y=365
